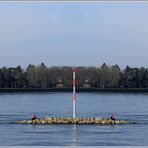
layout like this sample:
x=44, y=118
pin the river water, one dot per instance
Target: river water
x=19, y=106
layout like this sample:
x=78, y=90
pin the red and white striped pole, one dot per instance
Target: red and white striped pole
x=74, y=91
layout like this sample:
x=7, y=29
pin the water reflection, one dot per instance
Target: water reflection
x=112, y=126
x=130, y=107
x=74, y=135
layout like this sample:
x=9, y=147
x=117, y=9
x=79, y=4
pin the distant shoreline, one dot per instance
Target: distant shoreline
x=107, y=90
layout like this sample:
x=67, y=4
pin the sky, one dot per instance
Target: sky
x=74, y=33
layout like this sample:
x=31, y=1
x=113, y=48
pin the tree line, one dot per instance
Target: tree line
x=105, y=76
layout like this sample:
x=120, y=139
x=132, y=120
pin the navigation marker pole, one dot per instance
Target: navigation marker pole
x=74, y=91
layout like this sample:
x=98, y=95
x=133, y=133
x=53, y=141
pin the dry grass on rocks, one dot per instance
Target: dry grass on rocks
x=67, y=120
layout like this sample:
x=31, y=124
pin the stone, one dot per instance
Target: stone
x=68, y=120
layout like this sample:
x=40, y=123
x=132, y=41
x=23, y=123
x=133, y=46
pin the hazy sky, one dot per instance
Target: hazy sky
x=74, y=33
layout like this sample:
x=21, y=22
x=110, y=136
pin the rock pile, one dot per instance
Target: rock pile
x=68, y=120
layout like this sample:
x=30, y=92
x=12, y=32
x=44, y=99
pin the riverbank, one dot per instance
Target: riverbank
x=107, y=90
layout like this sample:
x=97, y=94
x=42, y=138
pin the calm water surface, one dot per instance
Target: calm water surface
x=18, y=106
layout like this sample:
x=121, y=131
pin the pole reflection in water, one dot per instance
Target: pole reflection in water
x=112, y=126
x=74, y=135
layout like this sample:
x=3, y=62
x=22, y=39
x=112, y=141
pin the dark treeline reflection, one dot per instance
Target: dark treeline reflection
x=105, y=76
